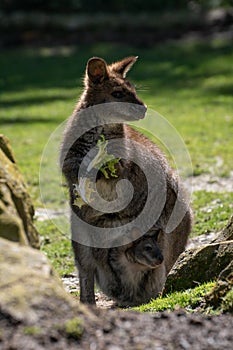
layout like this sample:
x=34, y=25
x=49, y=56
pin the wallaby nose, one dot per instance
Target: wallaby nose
x=142, y=108
x=160, y=259
x=158, y=256
x=141, y=103
x=145, y=106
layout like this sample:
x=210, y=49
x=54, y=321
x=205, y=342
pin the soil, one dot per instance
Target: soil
x=119, y=330
x=210, y=183
x=161, y=331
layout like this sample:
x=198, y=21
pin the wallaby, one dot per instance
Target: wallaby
x=131, y=273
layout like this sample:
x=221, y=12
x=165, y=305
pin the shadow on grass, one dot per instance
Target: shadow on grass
x=35, y=100
x=26, y=120
x=164, y=67
x=226, y=90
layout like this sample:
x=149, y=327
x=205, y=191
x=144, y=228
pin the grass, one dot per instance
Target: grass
x=227, y=303
x=188, y=299
x=56, y=245
x=191, y=84
x=74, y=328
x=211, y=211
x=32, y=330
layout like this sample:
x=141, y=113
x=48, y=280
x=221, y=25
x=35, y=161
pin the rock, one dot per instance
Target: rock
x=16, y=209
x=202, y=264
x=26, y=281
x=227, y=233
x=32, y=297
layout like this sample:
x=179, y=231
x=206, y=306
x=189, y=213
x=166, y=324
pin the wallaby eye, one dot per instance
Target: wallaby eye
x=117, y=94
x=148, y=248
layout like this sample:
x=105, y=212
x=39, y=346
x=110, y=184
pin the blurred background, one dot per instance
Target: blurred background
x=83, y=21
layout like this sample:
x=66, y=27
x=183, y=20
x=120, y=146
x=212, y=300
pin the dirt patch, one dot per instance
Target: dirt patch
x=210, y=183
x=114, y=330
x=42, y=214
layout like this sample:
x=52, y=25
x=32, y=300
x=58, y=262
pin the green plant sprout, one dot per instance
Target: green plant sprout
x=103, y=160
x=105, y=163
x=83, y=197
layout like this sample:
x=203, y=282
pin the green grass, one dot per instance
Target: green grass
x=74, y=328
x=211, y=211
x=188, y=299
x=32, y=330
x=227, y=302
x=57, y=246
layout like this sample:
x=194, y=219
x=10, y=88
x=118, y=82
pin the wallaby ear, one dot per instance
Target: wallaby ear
x=97, y=70
x=122, y=67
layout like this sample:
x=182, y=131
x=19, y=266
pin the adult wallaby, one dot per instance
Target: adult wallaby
x=120, y=269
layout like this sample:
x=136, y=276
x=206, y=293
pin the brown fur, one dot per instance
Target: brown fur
x=119, y=271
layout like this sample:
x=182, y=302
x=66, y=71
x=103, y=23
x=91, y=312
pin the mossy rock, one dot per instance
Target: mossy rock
x=33, y=300
x=227, y=233
x=6, y=148
x=11, y=226
x=203, y=264
x=28, y=283
x=16, y=209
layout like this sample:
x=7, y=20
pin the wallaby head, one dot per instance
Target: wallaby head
x=107, y=83
x=145, y=252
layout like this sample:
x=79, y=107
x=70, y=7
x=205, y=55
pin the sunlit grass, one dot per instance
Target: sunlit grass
x=187, y=299
x=57, y=246
x=211, y=211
